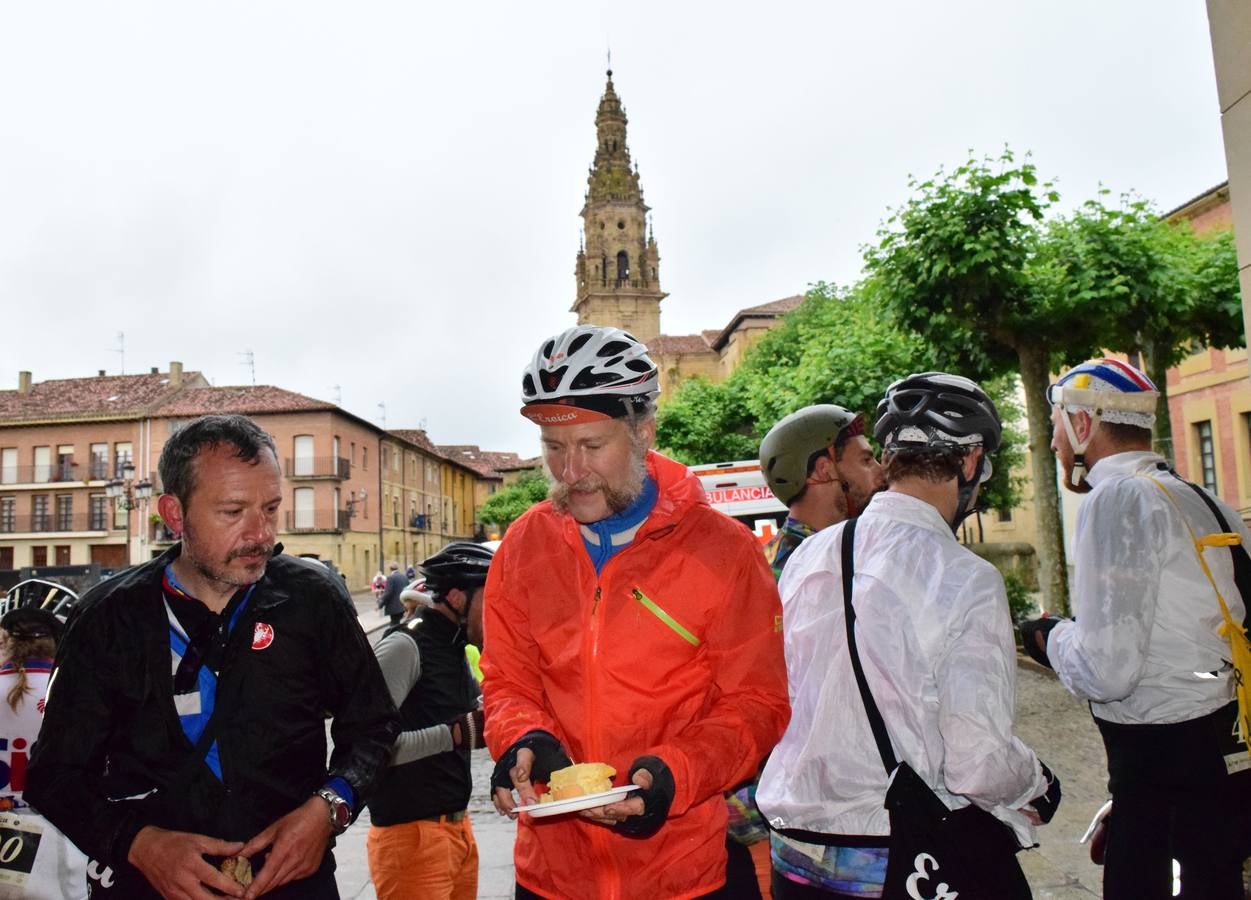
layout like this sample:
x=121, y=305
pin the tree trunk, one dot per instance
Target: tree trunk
x=1053, y=576
x=1162, y=434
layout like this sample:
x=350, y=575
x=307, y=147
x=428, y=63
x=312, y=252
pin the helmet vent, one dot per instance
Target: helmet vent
x=527, y=385
x=548, y=348
x=613, y=348
x=588, y=379
x=577, y=344
x=638, y=365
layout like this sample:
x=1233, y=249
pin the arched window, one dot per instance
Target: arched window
x=623, y=267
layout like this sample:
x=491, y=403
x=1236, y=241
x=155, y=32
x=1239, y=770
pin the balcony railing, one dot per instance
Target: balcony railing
x=331, y=520
x=336, y=467
x=51, y=522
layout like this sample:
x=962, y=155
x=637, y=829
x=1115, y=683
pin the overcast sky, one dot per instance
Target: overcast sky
x=380, y=200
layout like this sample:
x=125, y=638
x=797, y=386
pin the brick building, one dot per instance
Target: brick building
x=353, y=494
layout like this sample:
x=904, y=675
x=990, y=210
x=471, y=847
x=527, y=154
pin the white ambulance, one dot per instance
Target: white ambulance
x=739, y=490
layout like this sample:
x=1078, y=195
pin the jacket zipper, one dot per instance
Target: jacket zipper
x=599, y=840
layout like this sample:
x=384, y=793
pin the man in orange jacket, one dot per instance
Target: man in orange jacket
x=628, y=623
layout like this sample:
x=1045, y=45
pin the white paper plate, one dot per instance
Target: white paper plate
x=575, y=804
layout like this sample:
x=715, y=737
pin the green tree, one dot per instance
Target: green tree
x=704, y=422
x=507, y=505
x=958, y=265
x=1160, y=288
x=837, y=347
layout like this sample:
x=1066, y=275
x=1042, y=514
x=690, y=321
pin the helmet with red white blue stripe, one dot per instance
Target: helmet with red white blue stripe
x=1107, y=390
x=1115, y=390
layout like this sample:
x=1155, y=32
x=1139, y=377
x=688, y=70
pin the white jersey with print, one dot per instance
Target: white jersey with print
x=37, y=862
x=1143, y=647
x=936, y=645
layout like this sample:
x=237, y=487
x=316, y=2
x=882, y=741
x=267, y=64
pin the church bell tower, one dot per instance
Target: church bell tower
x=618, y=265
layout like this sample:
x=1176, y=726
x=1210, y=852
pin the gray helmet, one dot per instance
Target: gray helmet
x=786, y=449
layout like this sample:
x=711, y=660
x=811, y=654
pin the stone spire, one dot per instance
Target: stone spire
x=618, y=271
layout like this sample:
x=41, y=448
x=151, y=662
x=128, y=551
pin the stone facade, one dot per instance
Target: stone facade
x=618, y=267
x=617, y=270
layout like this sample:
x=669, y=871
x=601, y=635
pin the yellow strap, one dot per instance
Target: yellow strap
x=663, y=616
x=1230, y=630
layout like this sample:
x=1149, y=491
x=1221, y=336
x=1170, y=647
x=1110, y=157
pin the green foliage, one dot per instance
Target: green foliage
x=704, y=422
x=1021, y=605
x=1003, y=490
x=839, y=347
x=1153, y=287
x=507, y=505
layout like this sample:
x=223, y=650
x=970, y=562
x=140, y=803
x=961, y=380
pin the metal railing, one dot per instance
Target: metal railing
x=334, y=520
x=35, y=523
x=318, y=467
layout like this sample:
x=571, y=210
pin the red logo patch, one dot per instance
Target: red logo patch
x=262, y=636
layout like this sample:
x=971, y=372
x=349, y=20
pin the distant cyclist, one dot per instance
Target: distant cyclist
x=421, y=843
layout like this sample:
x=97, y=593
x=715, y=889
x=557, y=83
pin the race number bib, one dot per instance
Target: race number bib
x=19, y=842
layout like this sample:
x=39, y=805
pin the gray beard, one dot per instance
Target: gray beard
x=618, y=499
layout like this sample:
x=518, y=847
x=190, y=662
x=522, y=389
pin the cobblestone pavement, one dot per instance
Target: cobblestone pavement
x=1048, y=719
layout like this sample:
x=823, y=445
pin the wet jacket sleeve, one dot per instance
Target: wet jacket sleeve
x=976, y=678
x=750, y=708
x=64, y=778
x=512, y=692
x=1117, y=551
x=365, y=721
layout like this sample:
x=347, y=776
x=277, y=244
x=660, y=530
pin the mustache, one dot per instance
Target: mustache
x=266, y=550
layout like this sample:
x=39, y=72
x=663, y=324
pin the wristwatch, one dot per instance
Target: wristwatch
x=340, y=812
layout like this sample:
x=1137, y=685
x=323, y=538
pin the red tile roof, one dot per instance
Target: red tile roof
x=672, y=344
x=534, y=462
x=773, y=310
x=244, y=399
x=418, y=437
x=105, y=396
x=486, y=463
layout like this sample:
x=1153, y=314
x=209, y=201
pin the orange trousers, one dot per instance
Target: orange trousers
x=426, y=859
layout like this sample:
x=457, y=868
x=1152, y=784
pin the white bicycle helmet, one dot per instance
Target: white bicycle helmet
x=588, y=373
x=1107, y=390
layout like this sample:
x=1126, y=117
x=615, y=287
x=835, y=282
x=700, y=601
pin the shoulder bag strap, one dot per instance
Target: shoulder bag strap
x=1242, y=561
x=870, y=706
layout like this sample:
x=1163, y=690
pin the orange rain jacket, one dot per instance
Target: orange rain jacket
x=587, y=659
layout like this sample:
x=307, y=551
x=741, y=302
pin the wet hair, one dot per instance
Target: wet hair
x=21, y=649
x=929, y=463
x=1125, y=435
x=177, y=465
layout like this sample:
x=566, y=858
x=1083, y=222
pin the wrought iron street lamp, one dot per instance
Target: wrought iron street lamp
x=129, y=495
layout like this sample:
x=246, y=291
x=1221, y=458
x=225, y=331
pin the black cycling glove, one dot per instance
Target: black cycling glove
x=1049, y=802
x=656, y=800
x=549, y=756
x=1034, y=627
x=467, y=731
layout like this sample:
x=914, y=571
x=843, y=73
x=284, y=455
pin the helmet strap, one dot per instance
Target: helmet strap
x=964, y=496
x=1079, y=447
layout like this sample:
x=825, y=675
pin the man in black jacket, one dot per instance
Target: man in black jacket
x=185, y=717
x=421, y=843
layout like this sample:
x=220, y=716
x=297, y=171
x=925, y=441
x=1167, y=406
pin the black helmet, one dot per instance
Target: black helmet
x=937, y=409
x=461, y=564
x=32, y=622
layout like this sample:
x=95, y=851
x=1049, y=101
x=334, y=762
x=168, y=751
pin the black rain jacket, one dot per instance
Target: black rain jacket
x=111, y=739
